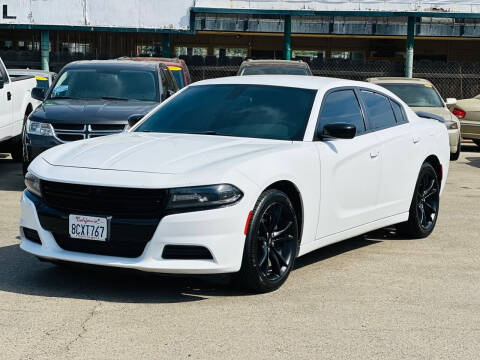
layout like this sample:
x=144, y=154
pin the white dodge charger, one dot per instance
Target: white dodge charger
x=239, y=175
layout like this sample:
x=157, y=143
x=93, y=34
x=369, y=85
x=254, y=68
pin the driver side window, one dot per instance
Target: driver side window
x=341, y=107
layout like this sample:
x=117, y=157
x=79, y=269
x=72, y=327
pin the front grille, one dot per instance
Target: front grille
x=107, y=201
x=31, y=235
x=186, y=252
x=126, y=249
x=73, y=132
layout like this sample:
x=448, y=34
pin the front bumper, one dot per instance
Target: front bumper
x=454, y=139
x=218, y=230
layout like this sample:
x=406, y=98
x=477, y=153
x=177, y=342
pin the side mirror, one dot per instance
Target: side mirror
x=38, y=93
x=450, y=102
x=134, y=119
x=339, y=131
x=1, y=83
x=170, y=93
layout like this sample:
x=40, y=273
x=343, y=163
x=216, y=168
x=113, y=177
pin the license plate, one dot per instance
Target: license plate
x=88, y=227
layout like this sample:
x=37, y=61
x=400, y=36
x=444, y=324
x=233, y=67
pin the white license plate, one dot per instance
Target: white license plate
x=88, y=227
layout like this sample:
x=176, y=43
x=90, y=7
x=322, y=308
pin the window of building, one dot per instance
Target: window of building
x=183, y=50
x=311, y=54
x=230, y=52
x=347, y=55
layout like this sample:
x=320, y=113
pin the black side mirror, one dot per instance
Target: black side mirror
x=339, y=131
x=135, y=118
x=1, y=83
x=38, y=93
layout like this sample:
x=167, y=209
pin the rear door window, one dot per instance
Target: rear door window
x=380, y=113
x=341, y=107
x=397, y=110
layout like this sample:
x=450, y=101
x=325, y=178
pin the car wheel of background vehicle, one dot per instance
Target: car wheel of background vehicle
x=425, y=204
x=477, y=142
x=25, y=161
x=456, y=154
x=271, y=244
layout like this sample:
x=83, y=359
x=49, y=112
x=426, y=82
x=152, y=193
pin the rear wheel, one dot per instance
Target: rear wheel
x=425, y=204
x=271, y=243
x=454, y=156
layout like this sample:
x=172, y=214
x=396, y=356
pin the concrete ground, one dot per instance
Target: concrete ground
x=374, y=297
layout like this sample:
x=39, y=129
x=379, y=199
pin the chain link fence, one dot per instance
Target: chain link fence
x=452, y=79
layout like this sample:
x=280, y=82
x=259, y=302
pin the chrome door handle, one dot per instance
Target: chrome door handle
x=416, y=139
x=374, y=154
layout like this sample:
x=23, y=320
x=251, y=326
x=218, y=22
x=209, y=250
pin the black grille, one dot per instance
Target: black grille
x=70, y=137
x=126, y=249
x=31, y=235
x=69, y=127
x=186, y=252
x=107, y=201
x=107, y=127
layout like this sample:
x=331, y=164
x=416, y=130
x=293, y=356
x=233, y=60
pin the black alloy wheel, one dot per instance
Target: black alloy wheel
x=425, y=204
x=271, y=244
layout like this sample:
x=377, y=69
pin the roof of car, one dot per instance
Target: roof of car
x=251, y=62
x=398, y=80
x=299, y=81
x=112, y=64
x=166, y=61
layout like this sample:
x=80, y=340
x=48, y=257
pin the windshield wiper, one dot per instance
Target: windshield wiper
x=60, y=98
x=113, y=98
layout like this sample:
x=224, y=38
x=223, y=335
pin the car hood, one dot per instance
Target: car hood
x=440, y=111
x=157, y=153
x=89, y=111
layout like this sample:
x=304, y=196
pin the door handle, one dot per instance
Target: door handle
x=374, y=154
x=9, y=96
x=416, y=139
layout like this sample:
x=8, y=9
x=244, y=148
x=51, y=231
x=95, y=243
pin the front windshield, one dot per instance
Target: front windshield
x=121, y=84
x=416, y=95
x=258, y=111
x=274, y=70
x=178, y=75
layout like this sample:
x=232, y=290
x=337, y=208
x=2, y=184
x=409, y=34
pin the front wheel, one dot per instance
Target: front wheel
x=271, y=243
x=425, y=204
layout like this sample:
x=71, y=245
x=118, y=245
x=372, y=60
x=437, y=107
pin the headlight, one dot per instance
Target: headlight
x=39, y=128
x=33, y=184
x=198, y=197
x=451, y=125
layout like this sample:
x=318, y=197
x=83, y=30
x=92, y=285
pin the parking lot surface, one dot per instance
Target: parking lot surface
x=372, y=297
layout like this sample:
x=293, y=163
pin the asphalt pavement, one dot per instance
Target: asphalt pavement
x=371, y=297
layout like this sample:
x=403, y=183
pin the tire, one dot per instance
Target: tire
x=18, y=152
x=269, y=253
x=454, y=156
x=25, y=159
x=425, y=205
x=476, y=141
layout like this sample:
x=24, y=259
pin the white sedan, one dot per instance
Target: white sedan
x=239, y=175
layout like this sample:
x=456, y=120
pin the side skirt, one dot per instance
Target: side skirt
x=350, y=233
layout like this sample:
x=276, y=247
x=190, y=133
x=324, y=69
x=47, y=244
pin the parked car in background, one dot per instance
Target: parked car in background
x=468, y=111
x=16, y=103
x=44, y=78
x=239, y=175
x=178, y=67
x=94, y=98
x=421, y=95
x=274, y=67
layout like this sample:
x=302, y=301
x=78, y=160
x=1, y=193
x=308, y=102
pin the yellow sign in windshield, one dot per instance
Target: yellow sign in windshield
x=175, y=68
x=41, y=78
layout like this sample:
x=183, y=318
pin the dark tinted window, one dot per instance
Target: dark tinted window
x=274, y=70
x=258, y=111
x=109, y=83
x=342, y=106
x=379, y=110
x=416, y=95
x=397, y=110
x=178, y=75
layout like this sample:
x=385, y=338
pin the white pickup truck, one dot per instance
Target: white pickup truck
x=16, y=103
